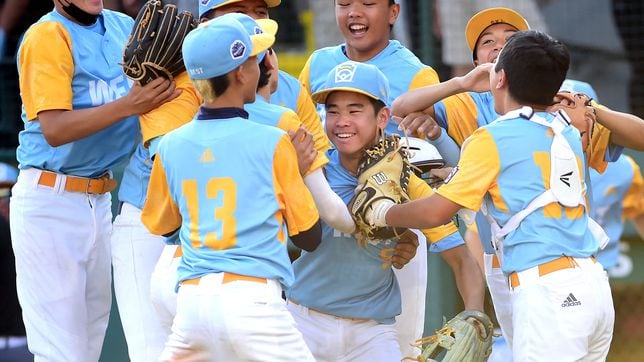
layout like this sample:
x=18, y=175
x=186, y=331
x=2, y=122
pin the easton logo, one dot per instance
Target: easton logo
x=380, y=178
x=565, y=178
x=571, y=301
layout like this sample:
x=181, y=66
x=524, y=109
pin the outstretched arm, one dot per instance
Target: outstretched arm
x=627, y=130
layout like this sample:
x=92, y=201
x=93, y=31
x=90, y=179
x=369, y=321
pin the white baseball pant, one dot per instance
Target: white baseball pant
x=61, y=241
x=566, y=315
x=338, y=339
x=135, y=252
x=162, y=287
x=233, y=321
x=412, y=279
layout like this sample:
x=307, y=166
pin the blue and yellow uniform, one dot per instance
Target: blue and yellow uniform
x=232, y=222
x=292, y=95
x=618, y=194
x=75, y=78
x=491, y=167
x=344, y=279
x=60, y=219
x=401, y=67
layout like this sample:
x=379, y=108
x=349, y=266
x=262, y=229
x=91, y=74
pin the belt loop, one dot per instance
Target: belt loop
x=61, y=181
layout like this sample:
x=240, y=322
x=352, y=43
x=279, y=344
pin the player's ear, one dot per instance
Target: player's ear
x=501, y=79
x=382, y=118
x=394, y=11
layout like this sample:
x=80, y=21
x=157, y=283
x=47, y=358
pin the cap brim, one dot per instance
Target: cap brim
x=261, y=42
x=268, y=26
x=320, y=97
x=479, y=22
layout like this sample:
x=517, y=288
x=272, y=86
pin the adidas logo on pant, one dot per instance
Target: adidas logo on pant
x=571, y=301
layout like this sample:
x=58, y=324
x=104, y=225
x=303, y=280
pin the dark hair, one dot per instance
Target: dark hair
x=535, y=65
x=219, y=84
x=376, y=104
x=264, y=72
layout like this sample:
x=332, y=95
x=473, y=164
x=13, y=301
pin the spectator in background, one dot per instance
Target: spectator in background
x=13, y=343
x=453, y=16
x=629, y=16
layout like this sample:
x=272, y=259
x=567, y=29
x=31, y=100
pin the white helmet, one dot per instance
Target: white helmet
x=422, y=154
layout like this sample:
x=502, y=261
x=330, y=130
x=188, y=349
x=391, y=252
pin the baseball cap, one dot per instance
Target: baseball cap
x=207, y=5
x=579, y=86
x=484, y=18
x=220, y=45
x=257, y=26
x=356, y=77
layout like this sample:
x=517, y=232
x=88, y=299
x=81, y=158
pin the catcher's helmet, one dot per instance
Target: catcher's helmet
x=422, y=154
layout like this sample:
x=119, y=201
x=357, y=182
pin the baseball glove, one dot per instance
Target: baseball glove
x=580, y=112
x=460, y=338
x=154, y=47
x=383, y=176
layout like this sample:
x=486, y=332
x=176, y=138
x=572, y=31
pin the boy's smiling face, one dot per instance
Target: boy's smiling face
x=365, y=26
x=352, y=124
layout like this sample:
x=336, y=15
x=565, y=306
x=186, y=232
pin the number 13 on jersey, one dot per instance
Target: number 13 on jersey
x=224, y=235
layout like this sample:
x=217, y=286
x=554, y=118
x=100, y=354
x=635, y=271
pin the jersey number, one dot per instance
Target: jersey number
x=215, y=187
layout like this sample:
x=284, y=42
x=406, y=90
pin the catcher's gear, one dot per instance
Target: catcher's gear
x=460, y=338
x=154, y=47
x=383, y=177
x=580, y=112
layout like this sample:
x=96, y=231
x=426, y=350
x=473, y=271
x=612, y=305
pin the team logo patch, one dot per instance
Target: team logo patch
x=205, y=2
x=344, y=73
x=258, y=30
x=237, y=49
x=451, y=174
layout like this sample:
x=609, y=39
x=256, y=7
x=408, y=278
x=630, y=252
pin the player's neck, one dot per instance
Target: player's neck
x=265, y=92
x=226, y=100
x=364, y=55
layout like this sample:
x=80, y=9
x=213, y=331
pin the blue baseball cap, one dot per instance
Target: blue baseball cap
x=355, y=77
x=579, y=86
x=255, y=27
x=218, y=46
x=207, y=5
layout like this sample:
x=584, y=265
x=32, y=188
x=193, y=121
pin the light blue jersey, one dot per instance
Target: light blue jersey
x=231, y=207
x=342, y=278
x=403, y=70
x=288, y=91
x=505, y=162
x=96, y=79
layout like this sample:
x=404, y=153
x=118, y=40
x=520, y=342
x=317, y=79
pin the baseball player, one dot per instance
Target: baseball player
x=463, y=104
x=617, y=193
x=366, y=28
x=345, y=297
x=80, y=122
x=561, y=304
x=289, y=93
x=232, y=221
x=135, y=251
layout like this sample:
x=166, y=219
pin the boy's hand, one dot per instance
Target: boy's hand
x=405, y=249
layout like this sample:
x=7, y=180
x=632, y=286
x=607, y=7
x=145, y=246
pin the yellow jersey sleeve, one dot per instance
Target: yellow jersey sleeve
x=160, y=214
x=634, y=198
x=461, y=113
x=295, y=200
x=291, y=122
x=426, y=76
x=46, y=69
x=305, y=75
x=311, y=120
x=419, y=189
x=173, y=114
x=475, y=174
